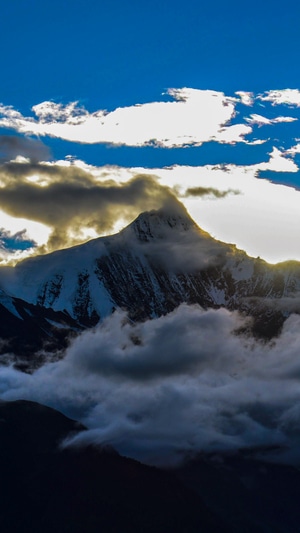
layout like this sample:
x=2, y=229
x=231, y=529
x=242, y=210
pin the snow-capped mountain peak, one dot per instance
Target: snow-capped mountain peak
x=159, y=261
x=156, y=223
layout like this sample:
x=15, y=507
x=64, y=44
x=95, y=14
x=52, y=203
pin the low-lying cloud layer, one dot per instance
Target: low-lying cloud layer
x=175, y=385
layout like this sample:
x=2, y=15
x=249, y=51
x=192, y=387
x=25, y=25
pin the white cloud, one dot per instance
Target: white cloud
x=278, y=162
x=247, y=98
x=294, y=150
x=192, y=118
x=262, y=121
x=285, y=96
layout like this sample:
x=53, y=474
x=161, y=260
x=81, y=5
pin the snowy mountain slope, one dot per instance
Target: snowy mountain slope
x=159, y=261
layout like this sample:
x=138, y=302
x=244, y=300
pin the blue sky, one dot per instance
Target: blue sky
x=119, y=53
x=92, y=58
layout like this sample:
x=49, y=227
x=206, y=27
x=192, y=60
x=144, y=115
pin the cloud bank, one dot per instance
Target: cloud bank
x=192, y=118
x=175, y=385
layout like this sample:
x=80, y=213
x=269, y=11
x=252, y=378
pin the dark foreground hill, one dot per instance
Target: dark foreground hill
x=44, y=489
x=248, y=493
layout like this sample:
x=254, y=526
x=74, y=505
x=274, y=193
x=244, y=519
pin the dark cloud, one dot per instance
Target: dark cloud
x=174, y=385
x=12, y=146
x=72, y=200
x=206, y=191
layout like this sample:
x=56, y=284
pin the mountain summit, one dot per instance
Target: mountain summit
x=153, y=224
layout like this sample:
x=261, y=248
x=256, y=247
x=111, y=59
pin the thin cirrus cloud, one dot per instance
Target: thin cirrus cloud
x=190, y=119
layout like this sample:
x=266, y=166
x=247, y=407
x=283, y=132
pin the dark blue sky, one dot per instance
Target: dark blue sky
x=115, y=52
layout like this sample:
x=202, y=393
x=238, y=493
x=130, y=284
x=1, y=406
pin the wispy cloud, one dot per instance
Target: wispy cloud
x=208, y=191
